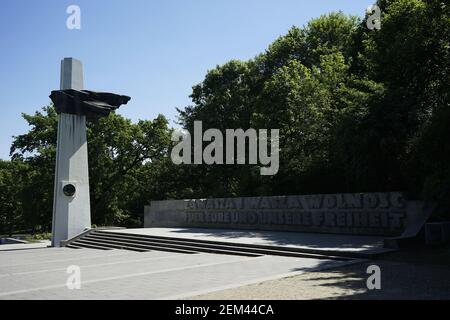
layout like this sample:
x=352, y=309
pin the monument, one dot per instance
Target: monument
x=71, y=204
x=387, y=214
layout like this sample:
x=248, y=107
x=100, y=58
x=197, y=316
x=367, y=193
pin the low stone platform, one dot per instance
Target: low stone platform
x=325, y=244
x=25, y=246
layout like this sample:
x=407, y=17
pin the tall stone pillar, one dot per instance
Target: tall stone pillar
x=71, y=204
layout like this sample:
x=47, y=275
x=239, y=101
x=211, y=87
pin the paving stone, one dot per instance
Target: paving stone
x=118, y=274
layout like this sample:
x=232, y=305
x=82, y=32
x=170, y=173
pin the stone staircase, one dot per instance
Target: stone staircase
x=104, y=240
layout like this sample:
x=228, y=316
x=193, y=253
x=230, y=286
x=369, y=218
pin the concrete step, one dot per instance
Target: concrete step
x=216, y=247
x=210, y=248
x=128, y=244
x=78, y=245
x=73, y=246
x=100, y=244
x=172, y=247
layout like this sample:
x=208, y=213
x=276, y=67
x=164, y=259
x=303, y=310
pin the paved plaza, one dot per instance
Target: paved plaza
x=38, y=272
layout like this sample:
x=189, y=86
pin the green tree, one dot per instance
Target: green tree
x=410, y=55
x=117, y=150
x=11, y=199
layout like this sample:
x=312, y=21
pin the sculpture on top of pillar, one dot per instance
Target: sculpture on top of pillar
x=88, y=103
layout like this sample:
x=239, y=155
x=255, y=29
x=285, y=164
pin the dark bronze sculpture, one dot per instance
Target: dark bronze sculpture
x=88, y=103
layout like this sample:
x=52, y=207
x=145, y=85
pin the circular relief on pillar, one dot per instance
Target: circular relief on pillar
x=69, y=190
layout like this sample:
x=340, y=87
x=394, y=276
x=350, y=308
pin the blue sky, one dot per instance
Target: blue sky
x=153, y=51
